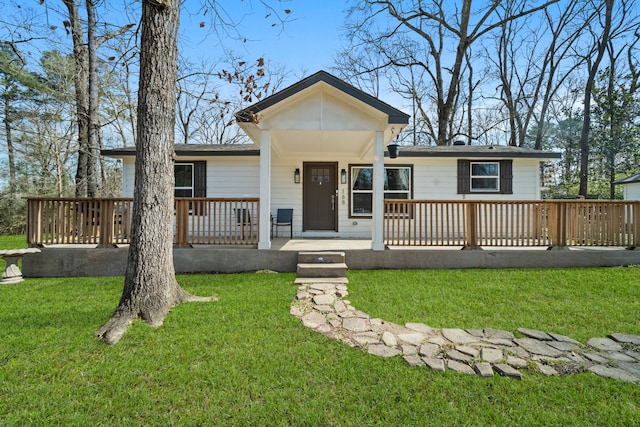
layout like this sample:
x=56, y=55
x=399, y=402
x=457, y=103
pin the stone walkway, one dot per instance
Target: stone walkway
x=322, y=307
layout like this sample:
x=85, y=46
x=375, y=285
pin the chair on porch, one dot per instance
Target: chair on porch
x=284, y=218
x=243, y=220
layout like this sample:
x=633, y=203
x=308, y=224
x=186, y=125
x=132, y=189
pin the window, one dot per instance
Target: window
x=184, y=179
x=397, y=185
x=485, y=177
x=191, y=181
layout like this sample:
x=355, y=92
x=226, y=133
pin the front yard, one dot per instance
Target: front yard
x=244, y=360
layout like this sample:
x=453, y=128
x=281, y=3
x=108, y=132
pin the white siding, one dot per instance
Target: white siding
x=434, y=178
x=632, y=191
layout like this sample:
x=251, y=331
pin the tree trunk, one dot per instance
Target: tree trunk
x=8, y=118
x=82, y=97
x=588, y=91
x=150, y=288
x=92, y=116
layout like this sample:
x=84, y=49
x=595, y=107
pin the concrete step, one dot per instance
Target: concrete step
x=334, y=269
x=320, y=257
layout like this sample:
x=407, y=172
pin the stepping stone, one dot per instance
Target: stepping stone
x=459, y=336
x=547, y=370
x=463, y=368
x=507, y=371
x=606, y=344
x=339, y=306
x=429, y=350
x=563, y=338
x=476, y=332
x=469, y=351
x=499, y=341
x=355, y=324
x=563, y=345
x=365, y=340
x=516, y=362
x=323, y=308
x=532, y=333
x=483, y=369
x=409, y=349
x=435, y=364
x=632, y=368
x=620, y=357
x=419, y=327
x=296, y=311
x=313, y=320
x=497, y=333
x=413, y=361
x=415, y=338
x=537, y=347
x=457, y=356
x=491, y=355
x=634, y=354
x=626, y=338
x=322, y=286
x=437, y=340
x=382, y=350
x=324, y=329
x=389, y=339
x=595, y=358
x=615, y=373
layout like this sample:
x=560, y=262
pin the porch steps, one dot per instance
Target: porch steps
x=324, y=267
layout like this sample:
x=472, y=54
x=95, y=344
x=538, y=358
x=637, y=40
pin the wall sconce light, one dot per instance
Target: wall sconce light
x=343, y=176
x=296, y=176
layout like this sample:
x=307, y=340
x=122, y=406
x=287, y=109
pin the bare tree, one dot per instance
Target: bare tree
x=436, y=24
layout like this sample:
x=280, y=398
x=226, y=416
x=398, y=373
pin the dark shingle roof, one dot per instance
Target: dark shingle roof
x=629, y=179
x=195, y=150
x=475, y=151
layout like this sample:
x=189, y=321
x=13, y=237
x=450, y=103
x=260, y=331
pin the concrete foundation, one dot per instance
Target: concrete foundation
x=64, y=261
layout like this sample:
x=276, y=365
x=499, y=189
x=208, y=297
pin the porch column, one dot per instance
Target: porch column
x=378, y=193
x=264, y=237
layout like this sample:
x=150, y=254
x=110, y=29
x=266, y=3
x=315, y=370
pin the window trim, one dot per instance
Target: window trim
x=198, y=185
x=472, y=177
x=192, y=186
x=370, y=166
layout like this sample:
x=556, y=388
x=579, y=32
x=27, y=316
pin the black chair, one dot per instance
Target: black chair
x=243, y=220
x=284, y=218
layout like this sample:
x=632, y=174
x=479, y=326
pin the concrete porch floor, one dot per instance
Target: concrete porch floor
x=87, y=260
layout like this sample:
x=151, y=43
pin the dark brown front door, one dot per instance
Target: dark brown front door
x=319, y=196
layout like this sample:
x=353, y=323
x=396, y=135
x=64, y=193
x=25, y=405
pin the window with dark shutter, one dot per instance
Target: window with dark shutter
x=483, y=177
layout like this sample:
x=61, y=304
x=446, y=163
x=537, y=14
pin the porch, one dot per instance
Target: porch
x=90, y=237
x=235, y=222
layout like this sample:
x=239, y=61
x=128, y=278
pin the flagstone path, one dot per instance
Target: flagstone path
x=322, y=307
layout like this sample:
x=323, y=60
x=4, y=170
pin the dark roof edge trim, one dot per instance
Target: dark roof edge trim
x=481, y=155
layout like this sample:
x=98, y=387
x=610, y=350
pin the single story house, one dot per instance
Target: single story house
x=321, y=147
x=631, y=187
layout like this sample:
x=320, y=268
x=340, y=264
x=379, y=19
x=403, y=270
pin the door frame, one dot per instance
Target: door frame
x=306, y=191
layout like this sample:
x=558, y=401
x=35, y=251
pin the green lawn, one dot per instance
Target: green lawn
x=13, y=242
x=244, y=360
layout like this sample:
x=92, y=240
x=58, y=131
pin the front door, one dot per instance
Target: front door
x=320, y=203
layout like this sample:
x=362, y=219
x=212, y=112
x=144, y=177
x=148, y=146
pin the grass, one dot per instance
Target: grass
x=244, y=360
x=18, y=241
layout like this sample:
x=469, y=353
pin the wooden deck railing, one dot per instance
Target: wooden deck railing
x=107, y=222
x=472, y=224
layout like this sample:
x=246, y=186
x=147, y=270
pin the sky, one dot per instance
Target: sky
x=307, y=43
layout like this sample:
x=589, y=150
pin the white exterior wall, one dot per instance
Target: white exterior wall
x=434, y=178
x=631, y=191
x=437, y=179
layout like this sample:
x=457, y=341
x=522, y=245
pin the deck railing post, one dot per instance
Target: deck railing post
x=471, y=229
x=182, y=223
x=559, y=238
x=34, y=223
x=106, y=217
x=634, y=233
